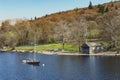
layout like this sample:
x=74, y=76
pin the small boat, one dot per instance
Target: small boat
x=31, y=61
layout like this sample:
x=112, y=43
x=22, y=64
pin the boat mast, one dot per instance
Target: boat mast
x=35, y=47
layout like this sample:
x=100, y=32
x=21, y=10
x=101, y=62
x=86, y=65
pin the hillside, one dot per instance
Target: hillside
x=80, y=12
x=76, y=26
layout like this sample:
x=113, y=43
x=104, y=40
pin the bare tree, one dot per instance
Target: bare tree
x=110, y=29
x=93, y=30
x=62, y=31
x=79, y=32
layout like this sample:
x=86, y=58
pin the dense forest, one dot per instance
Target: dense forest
x=99, y=23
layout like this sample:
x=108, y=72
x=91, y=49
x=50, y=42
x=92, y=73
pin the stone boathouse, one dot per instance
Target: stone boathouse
x=92, y=48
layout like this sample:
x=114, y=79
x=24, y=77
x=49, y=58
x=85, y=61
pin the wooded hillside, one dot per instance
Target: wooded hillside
x=98, y=23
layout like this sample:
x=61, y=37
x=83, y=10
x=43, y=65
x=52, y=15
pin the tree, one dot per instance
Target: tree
x=35, y=18
x=62, y=31
x=79, y=32
x=116, y=7
x=101, y=9
x=93, y=30
x=106, y=10
x=11, y=39
x=2, y=39
x=22, y=30
x=110, y=28
x=90, y=5
x=6, y=26
x=112, y=4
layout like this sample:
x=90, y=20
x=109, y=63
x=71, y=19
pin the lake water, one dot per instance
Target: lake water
x=59, y=67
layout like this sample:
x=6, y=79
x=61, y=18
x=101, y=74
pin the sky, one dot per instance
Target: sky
x=30, y=8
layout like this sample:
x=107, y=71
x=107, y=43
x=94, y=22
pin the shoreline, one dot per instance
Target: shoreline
x=108, y=53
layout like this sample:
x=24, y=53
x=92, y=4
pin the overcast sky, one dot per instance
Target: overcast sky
x=31, y=8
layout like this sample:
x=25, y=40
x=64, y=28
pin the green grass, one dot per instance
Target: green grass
x=23, y=47
x=69, y=47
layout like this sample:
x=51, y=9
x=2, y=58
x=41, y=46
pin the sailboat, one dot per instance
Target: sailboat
x=33, y=61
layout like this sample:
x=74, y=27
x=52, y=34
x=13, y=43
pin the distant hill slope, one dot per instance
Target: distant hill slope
x=88, y=13
x=101, y=23
x=68, y=21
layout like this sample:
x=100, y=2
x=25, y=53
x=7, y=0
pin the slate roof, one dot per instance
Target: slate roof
x=92, y=44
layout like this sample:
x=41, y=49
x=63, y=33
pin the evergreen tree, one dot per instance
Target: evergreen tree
x=99, y=5
x=101, y=9
x=90, y=5
x=35, y=18
x=46, y=15
x=116, y=7
x=76, y=9
x=106, y=10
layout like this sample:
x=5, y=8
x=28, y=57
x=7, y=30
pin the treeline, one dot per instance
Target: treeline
x=76, y=26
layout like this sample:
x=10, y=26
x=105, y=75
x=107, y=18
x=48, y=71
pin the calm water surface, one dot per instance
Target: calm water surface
x=59, y=67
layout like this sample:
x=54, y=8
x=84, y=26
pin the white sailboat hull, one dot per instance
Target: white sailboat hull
x=31, y=61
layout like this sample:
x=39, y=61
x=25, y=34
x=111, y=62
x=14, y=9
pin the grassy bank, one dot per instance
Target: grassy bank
x=69, y=47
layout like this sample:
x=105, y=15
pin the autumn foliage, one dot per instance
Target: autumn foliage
x=69, y=26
